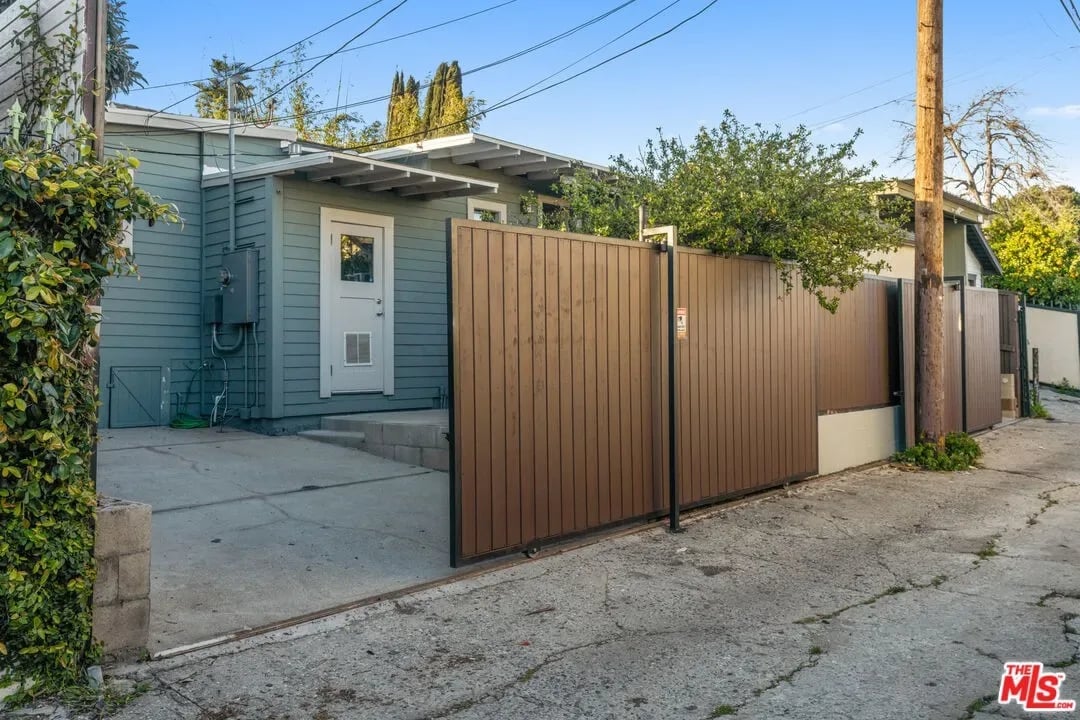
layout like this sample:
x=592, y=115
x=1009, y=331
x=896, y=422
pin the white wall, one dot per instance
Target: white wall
x=901, y=263
x=56, y=17
x=850, y=439
x=1055, y=334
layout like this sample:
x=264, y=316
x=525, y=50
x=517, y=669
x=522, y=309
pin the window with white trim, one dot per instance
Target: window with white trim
x=486, y=211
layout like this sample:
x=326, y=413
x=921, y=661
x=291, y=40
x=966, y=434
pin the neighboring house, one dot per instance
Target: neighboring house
x=332, y=285
x=967, y=252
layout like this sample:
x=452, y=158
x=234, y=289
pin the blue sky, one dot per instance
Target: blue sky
x=823, y=64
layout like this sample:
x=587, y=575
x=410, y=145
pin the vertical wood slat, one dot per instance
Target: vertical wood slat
x=982, y=361
x=555, y=398
x=752, y=347
x=954, y=367
x=855, y=369
x=908, y=330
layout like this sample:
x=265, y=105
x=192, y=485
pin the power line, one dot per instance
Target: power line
x=609, y=43
x=348, y=50
x=518, y=97
x=382, y=98
x=513, y=99
x=311, y=69
x=959, y=78
x=1074, y=16
x=285, y=49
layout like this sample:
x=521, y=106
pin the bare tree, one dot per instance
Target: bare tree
x=989, y=151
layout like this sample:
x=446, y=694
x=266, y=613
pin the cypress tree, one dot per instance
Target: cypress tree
x=435, y=102
x=397, y=87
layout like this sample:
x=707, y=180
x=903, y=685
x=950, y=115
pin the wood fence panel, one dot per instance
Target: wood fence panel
x=556, y=408
x=751, y=343
x=982, y=361
x=858, y=350
x=907, y=341
x=954, y=360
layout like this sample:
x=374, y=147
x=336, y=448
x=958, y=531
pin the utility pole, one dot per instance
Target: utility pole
x=929, y=226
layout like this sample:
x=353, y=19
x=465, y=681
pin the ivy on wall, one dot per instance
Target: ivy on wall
x=61, y=215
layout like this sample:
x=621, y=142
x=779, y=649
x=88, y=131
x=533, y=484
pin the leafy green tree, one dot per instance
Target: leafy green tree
x=1036, y=237
x=739, y=189
x=121, y=68
x=212, y=100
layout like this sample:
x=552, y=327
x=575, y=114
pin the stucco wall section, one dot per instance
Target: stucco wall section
x=851, y=439
x=1054, y=333
x=901, y=263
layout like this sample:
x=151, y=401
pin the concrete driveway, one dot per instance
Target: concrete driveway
x=875, y=594
x=250, y=529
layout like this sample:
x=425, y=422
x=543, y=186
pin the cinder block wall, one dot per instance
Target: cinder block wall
x=122, y=588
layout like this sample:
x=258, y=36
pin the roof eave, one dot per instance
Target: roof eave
x=361, y=173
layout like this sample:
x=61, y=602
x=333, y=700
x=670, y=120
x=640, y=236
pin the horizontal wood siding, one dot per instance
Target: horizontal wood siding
x=253, y=206
x=857, y=349
x=747, y=392
x=511, y=188
x=556, y=389
x=420, y=360
x=153, y=319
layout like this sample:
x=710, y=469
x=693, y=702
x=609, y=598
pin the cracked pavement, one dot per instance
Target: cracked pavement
x=861, y=595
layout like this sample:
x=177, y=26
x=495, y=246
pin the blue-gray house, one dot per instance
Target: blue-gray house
x=322, y=291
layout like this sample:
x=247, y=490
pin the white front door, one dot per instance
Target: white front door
x=356, y=312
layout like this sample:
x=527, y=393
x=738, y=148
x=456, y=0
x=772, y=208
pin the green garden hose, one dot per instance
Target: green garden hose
x=183, y=421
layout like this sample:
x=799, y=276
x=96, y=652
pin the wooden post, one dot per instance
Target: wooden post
x=929, y=226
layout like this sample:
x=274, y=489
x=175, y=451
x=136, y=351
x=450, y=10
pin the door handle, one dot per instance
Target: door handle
x=378, y=301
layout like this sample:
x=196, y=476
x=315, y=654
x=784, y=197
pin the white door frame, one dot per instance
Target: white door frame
x=328, y=216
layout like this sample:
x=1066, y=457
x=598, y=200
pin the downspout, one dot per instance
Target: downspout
x=232, y=165
x=202, y=272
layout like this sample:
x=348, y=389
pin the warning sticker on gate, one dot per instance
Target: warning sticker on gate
x=680, y=323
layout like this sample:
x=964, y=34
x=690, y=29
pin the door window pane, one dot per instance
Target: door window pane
x=357, y=258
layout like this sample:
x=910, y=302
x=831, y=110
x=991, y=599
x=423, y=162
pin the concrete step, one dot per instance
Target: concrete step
x=343, y=423
x=347, y=439
x=416, y=437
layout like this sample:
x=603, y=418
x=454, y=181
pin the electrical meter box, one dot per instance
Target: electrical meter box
x=239, y=278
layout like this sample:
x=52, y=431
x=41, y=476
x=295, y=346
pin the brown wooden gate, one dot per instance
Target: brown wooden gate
x=1009, y=324
x=558, y=352
x=982, y=358
x=747, y=398
x=954, y=358
x=556, y=416
x=972, y=346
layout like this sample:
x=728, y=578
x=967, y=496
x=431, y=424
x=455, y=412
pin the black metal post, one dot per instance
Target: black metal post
x=455, y=550
x=1025, y=388
x=673, y=394
x=1035, y=375
x=904, y=391
x=963, y=359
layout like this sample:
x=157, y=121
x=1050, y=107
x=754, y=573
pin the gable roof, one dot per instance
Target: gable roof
x=982, y=250
x=352, y=170
x=955, y=206
x=488, y=153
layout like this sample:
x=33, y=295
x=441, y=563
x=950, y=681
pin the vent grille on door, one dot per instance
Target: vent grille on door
x=357, y=348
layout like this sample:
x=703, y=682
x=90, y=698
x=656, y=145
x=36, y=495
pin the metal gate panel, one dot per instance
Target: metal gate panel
x=138, y=396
